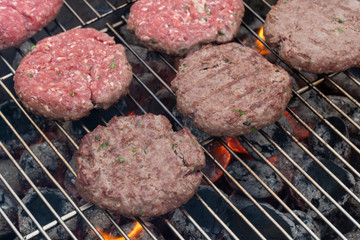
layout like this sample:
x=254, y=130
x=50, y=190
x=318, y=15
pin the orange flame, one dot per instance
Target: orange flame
x=259, y=46
x=235, y=145
x=134, y=234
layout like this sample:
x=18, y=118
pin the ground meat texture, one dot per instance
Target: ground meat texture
x=231, y=90
x=319, y=36
x=137, y=166
x=69, y=74
x=21, y=19
x=175, y=27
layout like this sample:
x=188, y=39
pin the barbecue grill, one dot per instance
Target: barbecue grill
x=110, y=16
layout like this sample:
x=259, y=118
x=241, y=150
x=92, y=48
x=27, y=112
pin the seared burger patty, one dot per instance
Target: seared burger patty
x=21, y=19
x=318, y=36
x=69, y=74
x=137, y=166
x=175, y=27
x=231, y=90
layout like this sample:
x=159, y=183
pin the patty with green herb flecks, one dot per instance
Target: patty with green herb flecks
x=67, y=75
x=230, y=90
x=317, y=36
x=138, y=166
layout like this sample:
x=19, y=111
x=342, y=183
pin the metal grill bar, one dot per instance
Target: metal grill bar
x=132, y=99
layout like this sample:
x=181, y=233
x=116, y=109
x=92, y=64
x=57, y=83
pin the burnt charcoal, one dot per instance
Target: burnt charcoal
x=43, y=215
x=351, y=236
x=70, y=179
x=309, y=222
x=11, y=174
x=262, y=144
x=50, y=160
x=330, y=137
x=98, y=218
x=150, y=105
x=352, y=205
x=248, y=181
x=261, y=222
x=22, y=125
x=310, y=192
x=188, y=122
x=202, y=216
x=8, y=205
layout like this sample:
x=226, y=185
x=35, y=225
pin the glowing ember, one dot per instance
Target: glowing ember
x=222, y=155
x=131, y=113
x=273, y=159
x=299, y=131
x=259, y=46
x=134, y=234
x=235, y=145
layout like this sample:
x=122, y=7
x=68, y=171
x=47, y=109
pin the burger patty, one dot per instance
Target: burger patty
x=175, y=27
x=69, y=74
x=137, y=166
x=231, y=90
x=21, y=19
x=319, y=36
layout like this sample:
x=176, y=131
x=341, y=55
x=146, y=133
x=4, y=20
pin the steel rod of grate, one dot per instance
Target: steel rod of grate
x=143, y=224
x=321, y=189
x=346, y=163
x=343, y=91
x=293, y=187
x=182, y=209
x=173, y=229
x=282, y=203
x=50, y=176
x=216, y=216
x=3, y=214
x=349, y=75
x=74, y=13
x=317, y=82
x=36, y=190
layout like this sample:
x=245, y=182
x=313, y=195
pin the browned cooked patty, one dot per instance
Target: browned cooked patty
x=318, y=36
x=69, y=74
x=178, y=26
x=231, y=90
x=137, y=166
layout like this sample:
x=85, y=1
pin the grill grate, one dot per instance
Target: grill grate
x=108, y=16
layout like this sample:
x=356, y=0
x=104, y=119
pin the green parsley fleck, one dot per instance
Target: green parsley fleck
x=285, y=2
x=180, y=141
x=121, y=159
x=227, y=60
x=173, y=147
x=168, y=25
x=277, y=70
x=206, y=8
x=104, y=144
x=239, y=48
x=209, y=13
x=340, y=20
x=247, y=123
x=144, y=150
x=259, y=91
x=238, y=111
x=221, y=33
x=73, y=94
x=234, y=13
x=253, y=129
x=285, y=90
x=59, y=74
x=187, y=6
x=205, y=18
x=84, y=75
x=181, y=50
x=182, y=68
x=276, y=18
x=141, y=211
x=90, y=66
x=193, y=170
x=140, y=123
x=134, y=150
x=97, y=138
x=112, y=65
x=33, y=47
x=29, y=75
x=99, y=77
x=340, y=31
x=280, y=48
x=153, y=41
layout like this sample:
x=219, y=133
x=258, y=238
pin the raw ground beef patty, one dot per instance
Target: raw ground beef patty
x=137, y=166
x=175, y=27
x=21, y=19
x=231, y=90
x=69, y=74
x=319, y=36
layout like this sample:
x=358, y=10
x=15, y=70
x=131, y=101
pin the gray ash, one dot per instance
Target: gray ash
x=9, y=207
